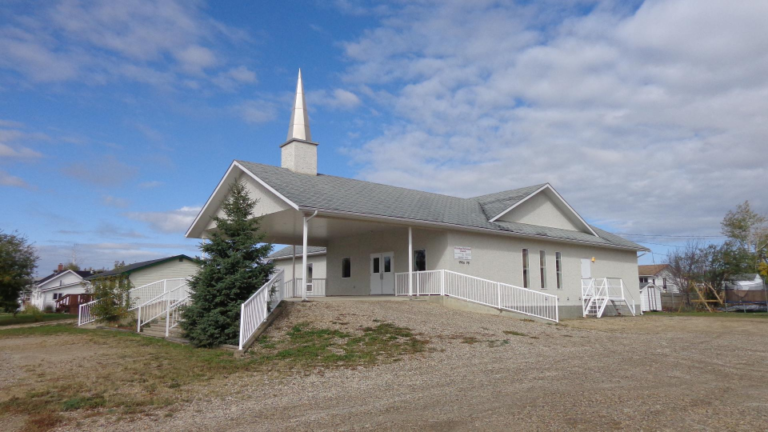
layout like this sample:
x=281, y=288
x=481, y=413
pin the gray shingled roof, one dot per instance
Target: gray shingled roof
x=331, y=193
x=494, y=204
x=127, y=269
x=287, y=251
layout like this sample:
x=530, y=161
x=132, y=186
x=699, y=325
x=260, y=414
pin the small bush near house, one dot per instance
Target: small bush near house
x=48, y=309
x=114, y=299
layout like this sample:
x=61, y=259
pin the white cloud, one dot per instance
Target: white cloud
x=256, y=111
x=150, y=184
x=97, y=41
x=170, y=222
x=18, y=152
x=13, y=181
x=194, y=59
x=336, y=99
x=110, y=201
x=650, y=120
x=101, y=171
x=229, y=80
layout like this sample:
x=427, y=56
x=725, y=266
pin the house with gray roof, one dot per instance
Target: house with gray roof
x=524, y=249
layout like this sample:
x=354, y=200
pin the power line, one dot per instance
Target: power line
x=670, y=236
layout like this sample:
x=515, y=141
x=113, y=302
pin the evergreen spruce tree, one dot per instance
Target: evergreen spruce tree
x=234, y=266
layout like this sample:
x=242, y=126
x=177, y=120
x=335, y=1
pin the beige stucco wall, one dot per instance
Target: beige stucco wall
x=540, y=210
x=167, y=270
x=318, y=266
x=499, y=258
x=359, y=249
x=299, y=157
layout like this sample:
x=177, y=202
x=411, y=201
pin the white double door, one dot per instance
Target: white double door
x=383, y=273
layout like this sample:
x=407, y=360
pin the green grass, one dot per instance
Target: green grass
x=308, y=345
x=149, y=373
x=756, y=315
x=9, y=319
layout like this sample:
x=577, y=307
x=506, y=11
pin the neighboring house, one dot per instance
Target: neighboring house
x=745, y=282
x=284, y=260
x=58, y=284
x=146, y=272
x=659, y=275
x=375, y=234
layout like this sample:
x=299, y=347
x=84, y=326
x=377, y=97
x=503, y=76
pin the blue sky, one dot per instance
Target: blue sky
x=117, y=119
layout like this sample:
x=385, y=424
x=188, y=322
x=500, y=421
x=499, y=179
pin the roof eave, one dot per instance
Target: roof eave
x=463, y=228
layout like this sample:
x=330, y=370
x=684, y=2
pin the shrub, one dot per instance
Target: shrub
x=114, y=299
x=33, y=311
x=48, y=309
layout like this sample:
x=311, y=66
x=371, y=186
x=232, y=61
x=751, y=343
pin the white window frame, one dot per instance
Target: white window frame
x=559, y=269
x=543, y=268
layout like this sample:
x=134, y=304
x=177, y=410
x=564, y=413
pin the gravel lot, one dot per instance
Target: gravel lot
x=672, y=373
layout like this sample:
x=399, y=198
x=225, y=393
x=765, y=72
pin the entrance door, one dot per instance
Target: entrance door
x=586, y=268
x=383, y=273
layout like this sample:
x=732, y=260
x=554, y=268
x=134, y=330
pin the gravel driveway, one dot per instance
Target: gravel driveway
x=496, y=373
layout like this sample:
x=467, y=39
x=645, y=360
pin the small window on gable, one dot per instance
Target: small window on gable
x=346, y=268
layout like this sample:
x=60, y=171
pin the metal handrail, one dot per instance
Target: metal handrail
x=482, y=291
x=255, y=311
x=164, y=298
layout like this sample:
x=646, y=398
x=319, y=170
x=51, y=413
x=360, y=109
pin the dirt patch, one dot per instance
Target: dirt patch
x=614, y=373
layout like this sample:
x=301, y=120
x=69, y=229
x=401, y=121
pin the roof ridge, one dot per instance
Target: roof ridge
x=536, y=186
x=366, y=181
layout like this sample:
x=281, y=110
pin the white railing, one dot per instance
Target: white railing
x=173, y=314
x=424, y=283
x=315, y=287
x=259, y=306
x=146, y=292
x=482, y=291
x=156, y=307
x=596, y=293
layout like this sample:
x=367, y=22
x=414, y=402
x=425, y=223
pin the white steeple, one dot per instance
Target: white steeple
x=299, y=153
x=299, y=127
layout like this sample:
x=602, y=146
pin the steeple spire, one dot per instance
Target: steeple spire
x=299, y=127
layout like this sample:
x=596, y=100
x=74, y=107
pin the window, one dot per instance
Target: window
x=526, y=274
x=376, y=265
x=664, y=281
x=387, y=264
x=309, y=277
x=346, y=268
x=420, y=260
x=543, y=267
x=57, y=296
x=559, y=269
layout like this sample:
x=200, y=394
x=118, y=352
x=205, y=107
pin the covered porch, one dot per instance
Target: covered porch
x=363, y=256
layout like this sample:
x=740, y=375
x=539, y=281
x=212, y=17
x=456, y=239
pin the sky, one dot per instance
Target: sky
x=118, y=119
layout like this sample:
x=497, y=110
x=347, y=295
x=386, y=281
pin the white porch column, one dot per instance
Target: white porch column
x=293, y=273
x=304, y=260
x=410, y=262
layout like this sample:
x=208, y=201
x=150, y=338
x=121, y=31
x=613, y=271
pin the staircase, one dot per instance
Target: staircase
x=156, y=329
x=597, y=293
